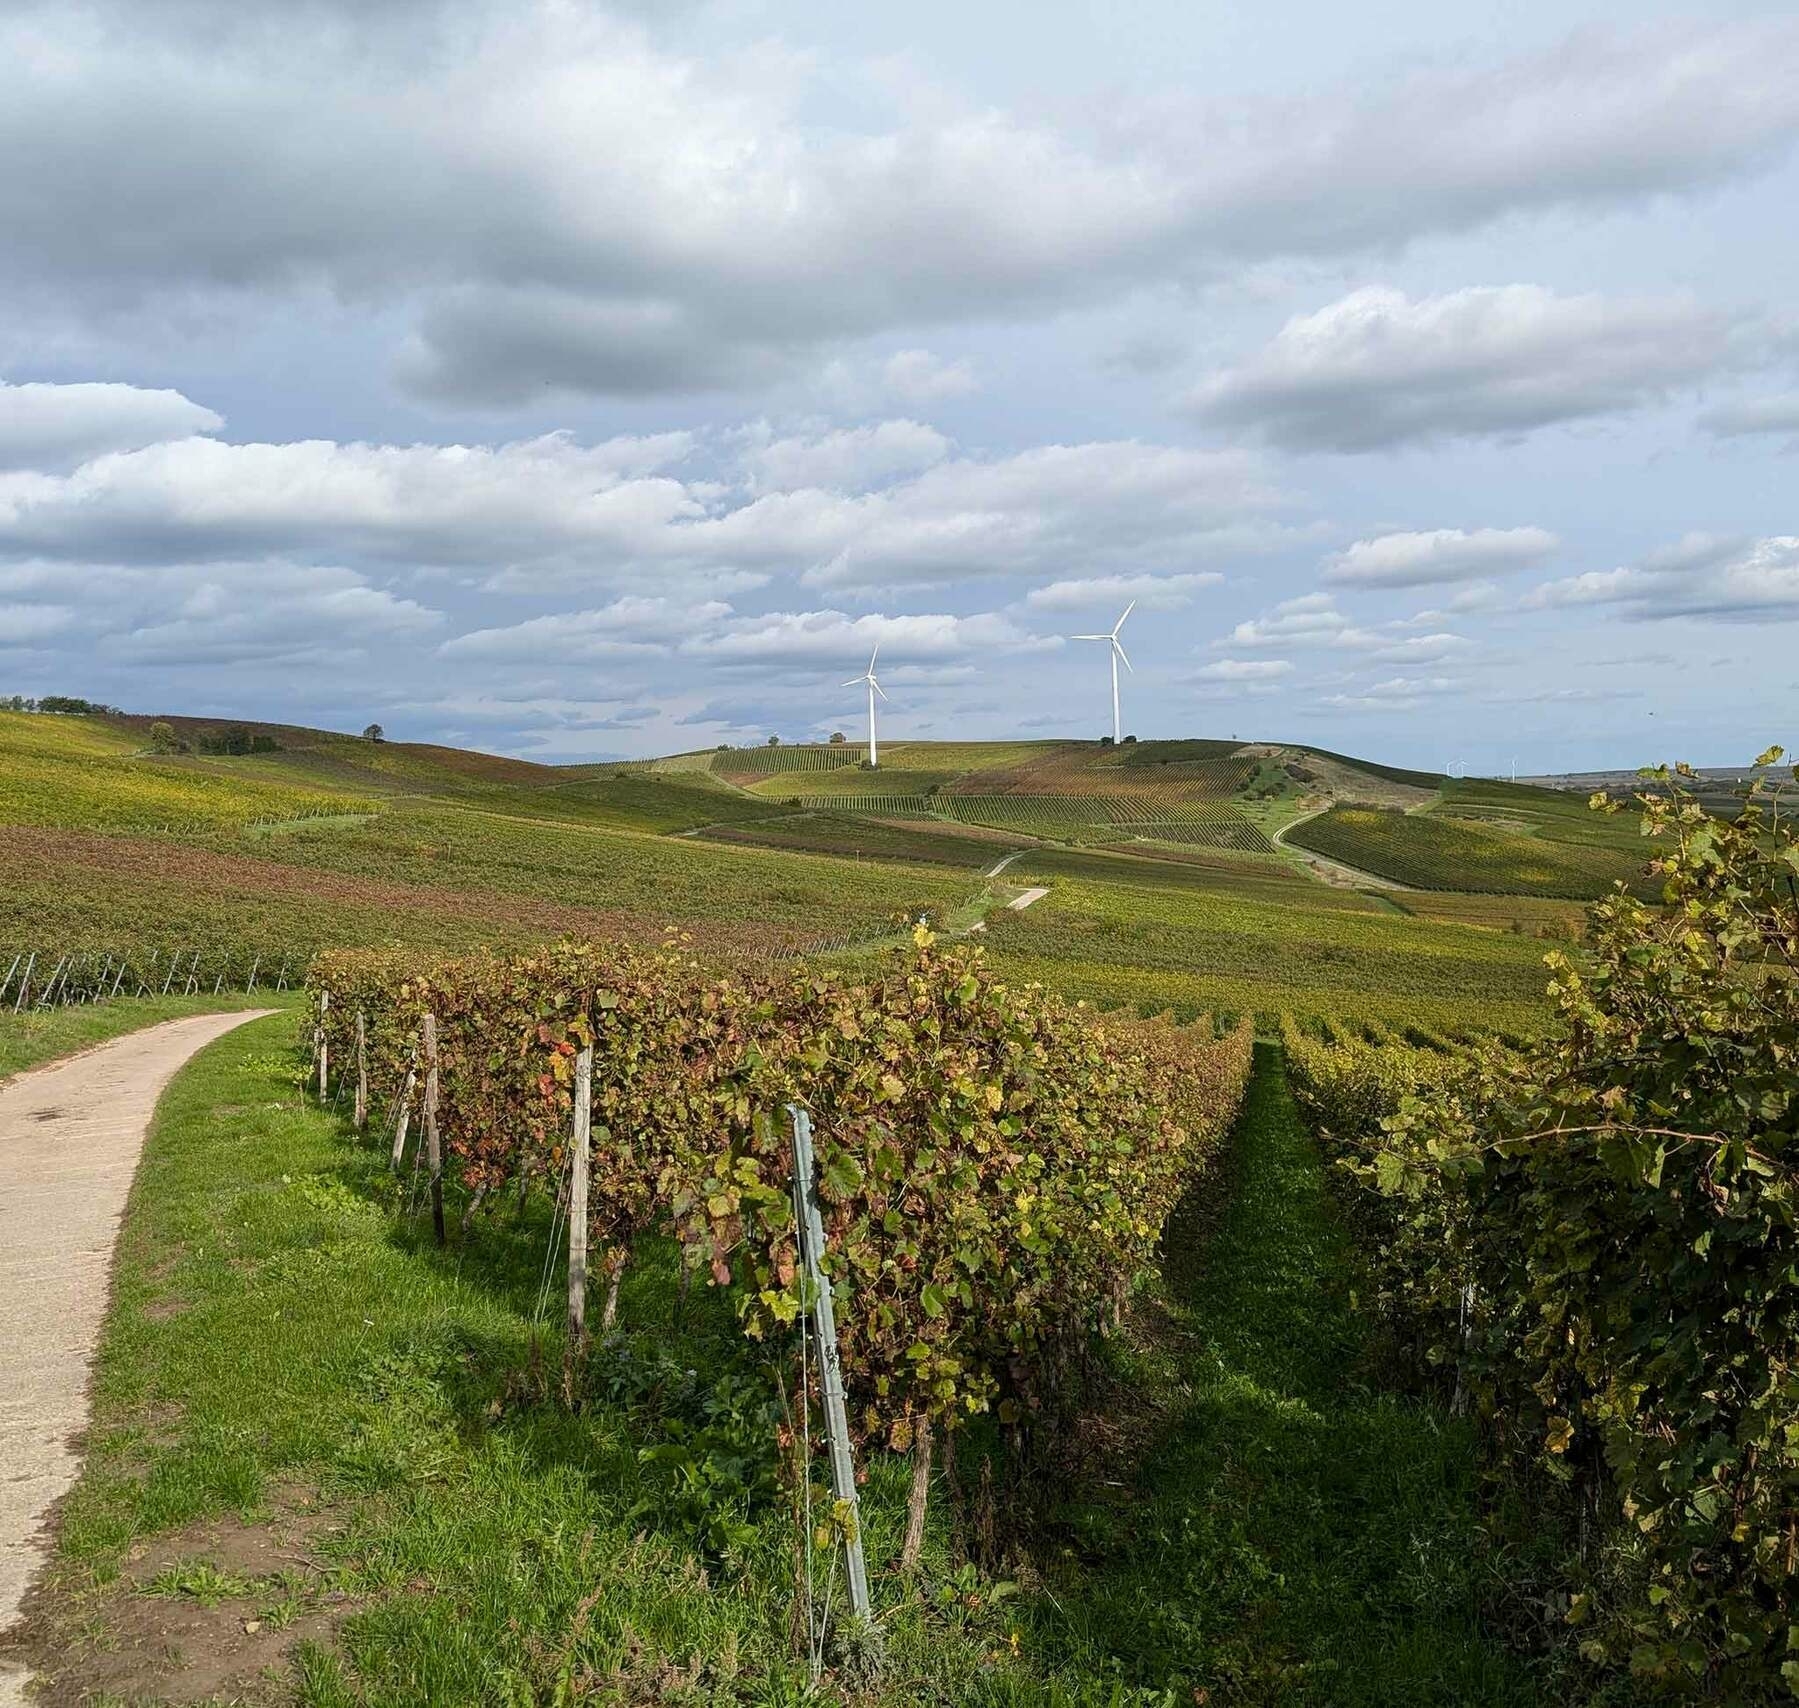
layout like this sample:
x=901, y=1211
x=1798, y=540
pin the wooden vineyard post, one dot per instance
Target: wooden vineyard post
x=580, y=1159
x=324, y=1051
x=24, y=983
x=362, y=1072
x=433, y=1149
x=404, y=1122
x=810, y=1226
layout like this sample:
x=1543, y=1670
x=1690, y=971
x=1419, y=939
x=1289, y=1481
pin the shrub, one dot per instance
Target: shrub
x=1619, y=1200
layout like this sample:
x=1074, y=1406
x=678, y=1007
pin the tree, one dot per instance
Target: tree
x=374, y=733
x=163, y=738
x=774, y=741
x=838, y=737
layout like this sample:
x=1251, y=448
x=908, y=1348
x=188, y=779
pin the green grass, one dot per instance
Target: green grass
x=1259, y=1526
x=1434, y=851
x=45, y=1035
x=1293, y=1535
x=1234, y=942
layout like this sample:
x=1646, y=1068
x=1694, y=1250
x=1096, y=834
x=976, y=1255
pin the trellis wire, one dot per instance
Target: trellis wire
x=96, y=975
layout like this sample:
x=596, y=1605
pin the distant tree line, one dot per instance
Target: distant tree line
x=67, y=704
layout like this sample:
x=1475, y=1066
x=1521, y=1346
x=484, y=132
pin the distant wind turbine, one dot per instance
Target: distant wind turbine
x=874, y=688
x=1117, y=650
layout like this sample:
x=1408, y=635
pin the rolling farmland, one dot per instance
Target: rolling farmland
x=1163, y=884
x=1156, y=891
x=1436, y=852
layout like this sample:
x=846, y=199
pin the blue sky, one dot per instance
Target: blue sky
x=580, y=382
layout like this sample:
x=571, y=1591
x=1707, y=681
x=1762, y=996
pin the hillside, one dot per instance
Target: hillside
x=1192, y=874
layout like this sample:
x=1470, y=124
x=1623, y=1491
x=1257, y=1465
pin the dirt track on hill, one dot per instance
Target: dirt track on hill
x=70, y=1137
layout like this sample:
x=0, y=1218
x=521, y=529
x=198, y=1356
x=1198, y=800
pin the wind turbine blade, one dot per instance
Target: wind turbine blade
x=852, y=682
x=872, y=657
x=1122, y=654
x=1120, y=623
x=1089, y=637
x=877, y=687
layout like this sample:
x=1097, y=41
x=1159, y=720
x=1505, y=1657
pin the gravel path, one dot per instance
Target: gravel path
x=1020, y=902
x=70, y=1134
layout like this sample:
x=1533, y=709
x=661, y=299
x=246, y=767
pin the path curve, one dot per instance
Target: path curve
x=1337, y=873
x=70, y=1136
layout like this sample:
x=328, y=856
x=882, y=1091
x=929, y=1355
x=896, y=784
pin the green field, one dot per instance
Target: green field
x=1436, y=851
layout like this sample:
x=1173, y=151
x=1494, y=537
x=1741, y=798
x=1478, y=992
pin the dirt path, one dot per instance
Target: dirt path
x=1020, y=902
x=70, y=1134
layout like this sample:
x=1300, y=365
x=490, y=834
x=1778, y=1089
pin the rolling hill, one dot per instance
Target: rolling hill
x=1183, y=874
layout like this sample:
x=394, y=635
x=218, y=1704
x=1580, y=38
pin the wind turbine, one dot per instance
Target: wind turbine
x=1117, y=653
x=874, y=688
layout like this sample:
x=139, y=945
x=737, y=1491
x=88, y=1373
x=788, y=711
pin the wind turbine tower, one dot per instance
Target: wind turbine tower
x=1117, y=652
x=874, y=688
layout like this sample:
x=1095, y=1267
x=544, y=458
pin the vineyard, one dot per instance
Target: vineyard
x=995, y=1167
x=1590, y=1241
x=869, y=836
x=752, y=762
x=1435, y=852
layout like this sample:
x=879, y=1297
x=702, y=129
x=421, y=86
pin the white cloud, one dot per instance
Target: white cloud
x=1439, y=556
x=55, y=427
x=1396, y=693
x=832, y=637
x=1312, y=620
x=851, y=459
x=632, y=624
x=550, y=199
x=1244, y=670
x=919, y=376
x=1377, y=369
x=1152, y=592
x=549, y=512
x=1729, y=580
x=253, y=612
x=1422, y=649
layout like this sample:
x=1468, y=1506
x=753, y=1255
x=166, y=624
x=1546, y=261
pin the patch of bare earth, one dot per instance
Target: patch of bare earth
x=214, y=1612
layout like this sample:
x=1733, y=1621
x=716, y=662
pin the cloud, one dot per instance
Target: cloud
x=849, y=460
x=251, y=612
x=832, y=637
x=1422, y=649
x=543, y=513
x=1727, y=580
x=1243, y=670
x=632, y=624
x=1754, y=415
x=1312, y=620
x=57, y=427
x=1377, y=369
x=1152, y=592
x=1396, y=693
x=918, y=376
x=1439, y=556
x=547, y=200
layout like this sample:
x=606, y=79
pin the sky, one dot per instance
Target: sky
x=584, y=382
